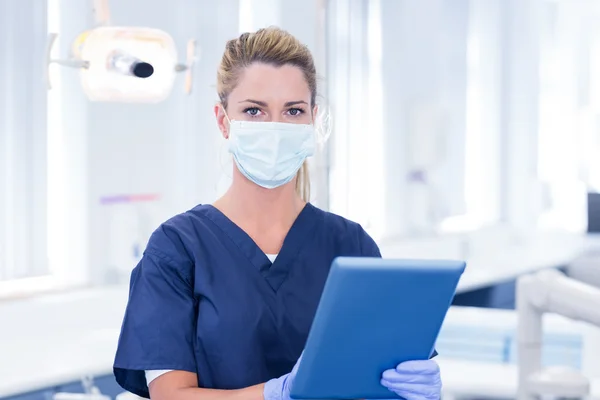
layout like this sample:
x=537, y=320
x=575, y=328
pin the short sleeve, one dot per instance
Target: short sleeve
x=158, y=329
x=368, y=247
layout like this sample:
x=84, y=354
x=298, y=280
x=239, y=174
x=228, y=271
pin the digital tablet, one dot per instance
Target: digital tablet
x=374, y=313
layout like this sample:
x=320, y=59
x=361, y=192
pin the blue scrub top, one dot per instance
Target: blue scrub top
x=205, y=298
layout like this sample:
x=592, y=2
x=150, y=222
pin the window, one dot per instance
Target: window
x=483, y=136
x=22, y=141
x=567, y=134
x=354, y=90
x=55, y=172
x=398, y=90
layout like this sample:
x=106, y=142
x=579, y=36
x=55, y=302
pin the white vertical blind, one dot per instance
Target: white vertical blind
x=389, y=64
x=520, y=101
x=483, y=141
x=567, y=128
x=353, y=75
x=22, y=139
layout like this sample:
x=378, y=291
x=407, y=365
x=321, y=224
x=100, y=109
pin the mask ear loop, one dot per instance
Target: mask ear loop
x=226, y=167
x=224, y=163
x=323, y=125
x=228, y=121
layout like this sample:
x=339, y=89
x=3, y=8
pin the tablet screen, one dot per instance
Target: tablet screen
x=374, y=313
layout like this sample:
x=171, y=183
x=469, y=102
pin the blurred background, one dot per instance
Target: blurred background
x=459, y=129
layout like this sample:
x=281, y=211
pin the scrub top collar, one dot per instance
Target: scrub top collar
x=274, y=273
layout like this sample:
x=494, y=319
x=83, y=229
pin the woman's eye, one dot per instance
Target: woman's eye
x=295, y=111
x=253, y=111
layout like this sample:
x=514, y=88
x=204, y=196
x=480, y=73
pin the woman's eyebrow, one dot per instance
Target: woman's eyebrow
x=263, y=104
x=260, y=103
x=293, y=103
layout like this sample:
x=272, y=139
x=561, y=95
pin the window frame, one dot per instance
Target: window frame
x=23, y=25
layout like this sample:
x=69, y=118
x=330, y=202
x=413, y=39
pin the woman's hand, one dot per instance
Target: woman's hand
x=279, y=388
x=414, y=380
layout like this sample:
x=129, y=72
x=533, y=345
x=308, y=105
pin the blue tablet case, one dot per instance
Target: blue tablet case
x=374, y=313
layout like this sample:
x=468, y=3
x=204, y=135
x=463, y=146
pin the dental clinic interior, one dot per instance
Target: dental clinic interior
x=448, y=129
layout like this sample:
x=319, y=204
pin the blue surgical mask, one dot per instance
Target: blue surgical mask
x=270, y=153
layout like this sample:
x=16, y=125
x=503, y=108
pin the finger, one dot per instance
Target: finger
x=419, y=367
x=411, y=385
x=411, y=396
x=421, y=391
x=297, y=365
x=394, y=376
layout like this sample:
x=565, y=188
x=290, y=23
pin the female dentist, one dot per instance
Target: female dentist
x=222, y=301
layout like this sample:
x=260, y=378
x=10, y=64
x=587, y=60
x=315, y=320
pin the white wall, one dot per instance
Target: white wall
x=428, y=57
x=111, y=149
x=466, y=98
x=172, y=149
x=397, y=72
x=424, y=100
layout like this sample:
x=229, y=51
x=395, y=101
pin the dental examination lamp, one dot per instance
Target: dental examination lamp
x=124, y=64
x=550, y=291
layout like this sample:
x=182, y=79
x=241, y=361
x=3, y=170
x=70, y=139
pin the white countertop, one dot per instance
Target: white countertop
x=489, y=264
x=55, y=339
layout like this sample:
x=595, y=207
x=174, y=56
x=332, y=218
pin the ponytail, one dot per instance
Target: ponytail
x=303, y=183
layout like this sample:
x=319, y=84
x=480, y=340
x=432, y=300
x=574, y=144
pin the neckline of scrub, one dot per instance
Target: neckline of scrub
x=275, y=272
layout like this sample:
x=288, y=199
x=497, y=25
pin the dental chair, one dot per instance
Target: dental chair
x=550, y=291
x=586, y=269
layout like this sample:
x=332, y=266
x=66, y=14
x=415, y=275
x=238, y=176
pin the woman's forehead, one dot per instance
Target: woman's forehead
x=269, y=83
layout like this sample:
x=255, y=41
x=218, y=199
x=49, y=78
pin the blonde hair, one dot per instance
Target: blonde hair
x=272, y=46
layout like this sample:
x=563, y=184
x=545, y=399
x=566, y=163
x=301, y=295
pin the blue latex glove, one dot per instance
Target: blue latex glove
x=414, y=380
x=279, y=388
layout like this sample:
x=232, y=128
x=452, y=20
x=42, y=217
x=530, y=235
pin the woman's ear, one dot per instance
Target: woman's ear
x=222, y=122
x=315, y=111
